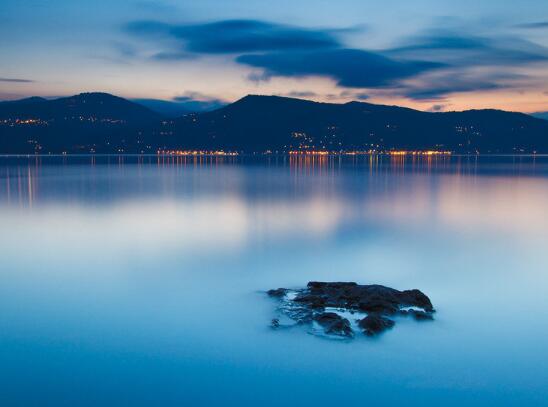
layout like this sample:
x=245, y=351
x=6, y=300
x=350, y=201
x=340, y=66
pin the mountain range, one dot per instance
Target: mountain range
x=103, y=123
x=540, y=115
x=180, y=107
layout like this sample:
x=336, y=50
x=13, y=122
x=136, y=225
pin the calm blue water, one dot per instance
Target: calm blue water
x=138, y=280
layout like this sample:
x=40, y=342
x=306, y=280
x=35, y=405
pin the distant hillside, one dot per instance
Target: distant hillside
x=79, y=123
x=82, y=107
x=541, y=115
x=97, y=122
x=176, y=109
x=32, y=99
x=257, y=123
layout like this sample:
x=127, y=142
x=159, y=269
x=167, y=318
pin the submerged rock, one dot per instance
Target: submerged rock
x=419, y=315
x=342, y=307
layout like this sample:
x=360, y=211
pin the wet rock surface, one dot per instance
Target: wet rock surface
x=340, y=308
x=375, y=324
x=334, y=324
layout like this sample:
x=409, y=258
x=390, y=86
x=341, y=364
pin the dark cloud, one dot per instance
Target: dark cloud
x=173, y=56
x=456, y=49
x=345, y=94
x=16, y=80
x=361, y=96
x=437, y=62
x=196, y=101
x=438, y=87
x=441, y=40
x=534, y=25
x=258, y=77
x=239, y=36
x=182, y=99
x=439, y=93
x=473, y=63
x=148, y=28
x=303, y=94
x=348, y=67
x=437, y=108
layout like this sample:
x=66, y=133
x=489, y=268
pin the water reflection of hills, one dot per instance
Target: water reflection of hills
x=22, y=178
x=289, y=195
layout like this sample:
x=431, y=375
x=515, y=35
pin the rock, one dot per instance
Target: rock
x=313, y=301
x=416, y=298
x=374, y=324
x=376, y=301
x=378, y=305
x=367, y=298
x=334, y=324
x=278, y=292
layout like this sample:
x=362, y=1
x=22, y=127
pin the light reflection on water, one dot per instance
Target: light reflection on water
x=137, y=280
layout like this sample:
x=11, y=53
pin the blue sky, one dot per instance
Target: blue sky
x=432, y=55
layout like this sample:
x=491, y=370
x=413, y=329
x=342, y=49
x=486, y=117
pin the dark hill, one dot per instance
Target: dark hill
x=85, y=106
x=32, y=99
x=98, y=122
x=257, y=123
x=87, y=122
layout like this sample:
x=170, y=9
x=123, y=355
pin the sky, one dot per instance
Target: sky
x=435, y=55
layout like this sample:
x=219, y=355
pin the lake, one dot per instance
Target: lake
x=140, y=280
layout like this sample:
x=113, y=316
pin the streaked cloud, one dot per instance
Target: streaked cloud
x=16, y=80
x=473, y=63
x=439, y=85
x=459, y=49
x=533, y=25
x=437, y=91
x=301, y=94
x=173, y=56
x=437, y=108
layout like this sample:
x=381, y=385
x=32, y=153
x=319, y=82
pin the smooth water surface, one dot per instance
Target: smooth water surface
x=140, y=280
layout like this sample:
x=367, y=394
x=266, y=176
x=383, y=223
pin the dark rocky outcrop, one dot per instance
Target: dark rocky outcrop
x=367, y=298
x=373, y=306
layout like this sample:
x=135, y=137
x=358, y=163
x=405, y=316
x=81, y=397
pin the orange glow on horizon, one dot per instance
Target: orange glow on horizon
x=198, y=153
